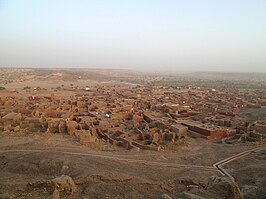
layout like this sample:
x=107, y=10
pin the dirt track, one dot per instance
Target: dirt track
x=102, y=173
x=217, y=165
x=151, y=163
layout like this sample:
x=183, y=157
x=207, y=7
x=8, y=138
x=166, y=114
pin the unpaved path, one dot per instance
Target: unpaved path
x=217, y=166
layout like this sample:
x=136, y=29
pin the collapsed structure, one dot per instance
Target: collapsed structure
x=138, y=117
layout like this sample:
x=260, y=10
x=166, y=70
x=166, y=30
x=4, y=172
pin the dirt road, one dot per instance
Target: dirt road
x=217, y=166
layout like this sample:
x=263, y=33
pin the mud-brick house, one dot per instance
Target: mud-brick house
x=67, y=115
x=179, y=129
x=23, y=110
x=86, y=136
x=100, y=104
x=52, y=114
x=72, y=126
x=120, y=116
x=53, y=125
x=104, y=125
x=12, y=119
x=209, y=132
x=4, y=110
x=82, y=106
x=34, y=124
x=107, y=126
x=85, y=121
x=137, y=117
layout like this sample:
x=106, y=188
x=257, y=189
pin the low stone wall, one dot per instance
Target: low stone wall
x=127, y=144
x=145, y=147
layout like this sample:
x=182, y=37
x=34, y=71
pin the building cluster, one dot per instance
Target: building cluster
x=133, y=117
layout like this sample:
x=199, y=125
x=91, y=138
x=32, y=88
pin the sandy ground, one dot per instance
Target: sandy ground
x=115, y=173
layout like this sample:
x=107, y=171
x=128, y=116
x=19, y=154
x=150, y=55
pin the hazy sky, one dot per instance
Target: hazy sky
x=224, y=35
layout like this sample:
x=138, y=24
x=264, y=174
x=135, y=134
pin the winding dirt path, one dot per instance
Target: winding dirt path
x=145, y=162
x=219, y=164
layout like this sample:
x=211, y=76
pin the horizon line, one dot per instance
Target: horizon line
x=127, y=69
